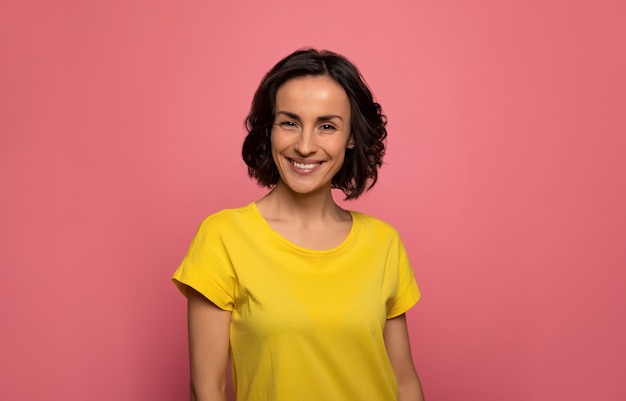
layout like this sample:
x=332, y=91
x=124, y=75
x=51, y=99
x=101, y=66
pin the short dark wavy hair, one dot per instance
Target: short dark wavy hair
x=367, y=122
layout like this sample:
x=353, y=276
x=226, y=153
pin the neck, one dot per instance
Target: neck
x=283, y=203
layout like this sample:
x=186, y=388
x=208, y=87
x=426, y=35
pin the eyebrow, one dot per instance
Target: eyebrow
x=320, y=118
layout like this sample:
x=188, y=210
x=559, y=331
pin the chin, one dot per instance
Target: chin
x=304, y=190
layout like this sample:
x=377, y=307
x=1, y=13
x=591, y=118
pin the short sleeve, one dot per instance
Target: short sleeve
x=407, y=293
x=207, y=267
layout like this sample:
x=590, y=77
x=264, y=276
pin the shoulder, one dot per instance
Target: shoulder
x=375, y=225
x=229, y=218
x=229, y=214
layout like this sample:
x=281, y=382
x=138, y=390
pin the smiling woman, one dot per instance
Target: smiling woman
x=311, y=134
x=306, y=298
x=367, y=123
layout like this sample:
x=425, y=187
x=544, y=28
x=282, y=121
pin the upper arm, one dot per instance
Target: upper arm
x=398, y=346
x=209, y=330
x=399, y=351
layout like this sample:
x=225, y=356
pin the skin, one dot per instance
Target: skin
x=312, y=127
x=309, y=139
x=208, y=330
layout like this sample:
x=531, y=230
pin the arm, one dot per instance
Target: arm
x=399, y=351
x=209, y=329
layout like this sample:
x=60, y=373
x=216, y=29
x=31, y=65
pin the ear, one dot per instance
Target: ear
x=350, y=144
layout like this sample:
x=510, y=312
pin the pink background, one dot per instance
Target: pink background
x=121, y=127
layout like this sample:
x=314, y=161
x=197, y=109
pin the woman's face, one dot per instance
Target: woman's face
x=311, y=132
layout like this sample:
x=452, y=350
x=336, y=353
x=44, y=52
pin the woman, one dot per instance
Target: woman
x=306, y=298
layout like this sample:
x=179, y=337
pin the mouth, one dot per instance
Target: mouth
x=304, y=166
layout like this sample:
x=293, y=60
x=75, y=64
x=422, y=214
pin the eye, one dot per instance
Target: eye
x=327, y=127
x=287, y=124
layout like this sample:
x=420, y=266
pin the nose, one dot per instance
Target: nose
x=306, y=142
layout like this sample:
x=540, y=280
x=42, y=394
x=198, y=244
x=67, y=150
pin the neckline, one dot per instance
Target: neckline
x=302, y=249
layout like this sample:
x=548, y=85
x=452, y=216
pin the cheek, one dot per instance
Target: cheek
x=339, y=147
x=276, y=147
x=280, y=140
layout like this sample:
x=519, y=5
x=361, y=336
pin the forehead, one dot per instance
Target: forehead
x=312, y=93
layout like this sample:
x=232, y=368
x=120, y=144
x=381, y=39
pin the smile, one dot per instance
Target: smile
x=304, y=166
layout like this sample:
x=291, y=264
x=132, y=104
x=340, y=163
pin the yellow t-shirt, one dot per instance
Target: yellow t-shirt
x=306, y=324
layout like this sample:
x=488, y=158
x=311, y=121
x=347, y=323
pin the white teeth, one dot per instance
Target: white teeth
x=305, y=166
